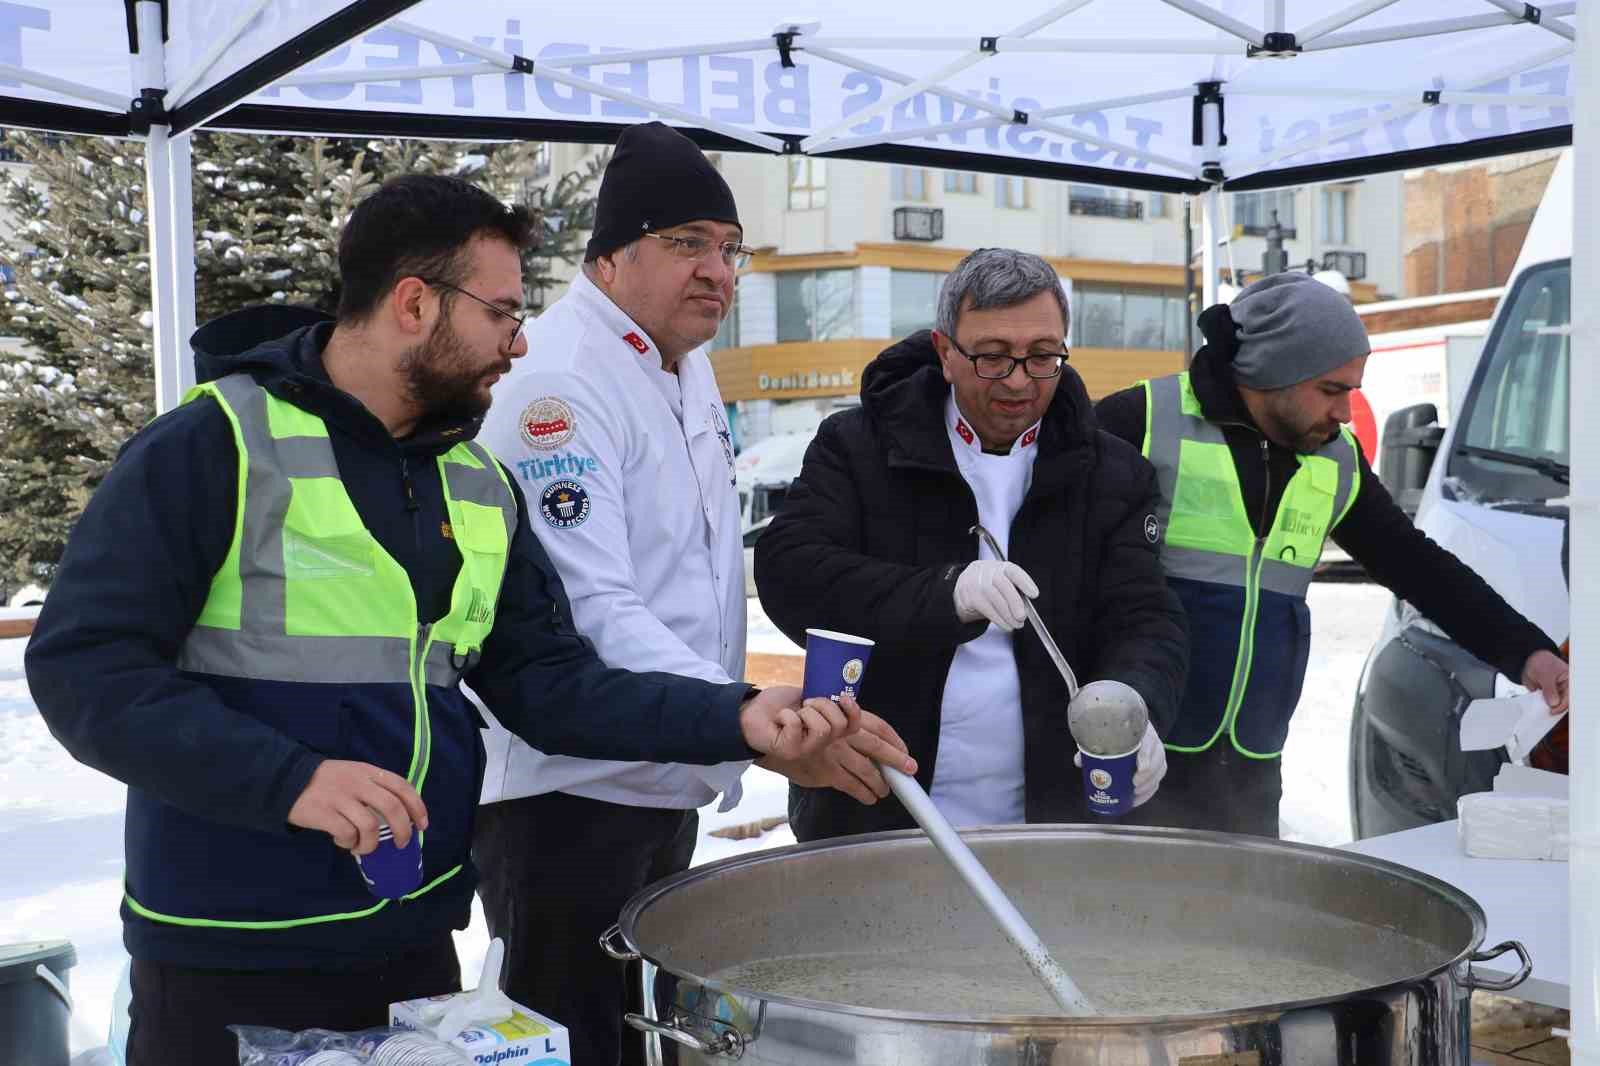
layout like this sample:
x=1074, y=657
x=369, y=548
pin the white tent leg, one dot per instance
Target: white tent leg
x=1210, y=204
x=1584, y=872
x=166, y=167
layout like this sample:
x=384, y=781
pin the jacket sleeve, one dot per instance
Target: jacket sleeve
x=1122, y=414
x=102, y=665
x=1142, y=634
x=594, y=558
x=546, y=683
x=1402, y=558
x=812, y=569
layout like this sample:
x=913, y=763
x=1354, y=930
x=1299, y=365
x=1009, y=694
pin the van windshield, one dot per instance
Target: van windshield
x=1515, y=439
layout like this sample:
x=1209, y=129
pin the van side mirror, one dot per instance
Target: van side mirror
x=1410, y=441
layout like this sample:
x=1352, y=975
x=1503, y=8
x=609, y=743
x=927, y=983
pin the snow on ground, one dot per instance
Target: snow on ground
x=61, y=822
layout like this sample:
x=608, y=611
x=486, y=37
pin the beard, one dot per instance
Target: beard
x=443, y=379
x=1288, y=425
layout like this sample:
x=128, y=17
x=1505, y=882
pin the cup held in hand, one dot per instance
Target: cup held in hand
x=389, y=871
x=1108, y=782
x=835, y=663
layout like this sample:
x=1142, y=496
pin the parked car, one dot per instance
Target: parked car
x=27, y=596
x=1493, y=489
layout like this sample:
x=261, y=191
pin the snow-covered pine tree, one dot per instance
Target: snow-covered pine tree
x=268, y=212
x=79, y=302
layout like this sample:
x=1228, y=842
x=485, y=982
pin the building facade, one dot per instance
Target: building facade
x=850, y=257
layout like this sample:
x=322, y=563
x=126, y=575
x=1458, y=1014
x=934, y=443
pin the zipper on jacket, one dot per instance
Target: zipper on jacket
x=422, y=730
x=1252, y=604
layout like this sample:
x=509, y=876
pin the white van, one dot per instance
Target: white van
x=1493, y=490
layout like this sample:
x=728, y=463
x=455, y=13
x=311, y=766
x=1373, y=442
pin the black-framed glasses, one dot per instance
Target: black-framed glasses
x=695, y=249
x=516, y=320
x=994, y=366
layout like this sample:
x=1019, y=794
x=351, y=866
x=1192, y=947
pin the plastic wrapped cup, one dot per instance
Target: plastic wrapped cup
x=1108, y=721
x=389, y=871
x=414, y=1049
x=835, y=663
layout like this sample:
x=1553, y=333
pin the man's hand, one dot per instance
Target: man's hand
x=346, y=800
x=1547, y=672
x=994, y=590
x=850, y=765
x=775, y=722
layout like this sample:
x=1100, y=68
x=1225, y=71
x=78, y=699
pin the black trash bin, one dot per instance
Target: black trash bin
x=33, y=1015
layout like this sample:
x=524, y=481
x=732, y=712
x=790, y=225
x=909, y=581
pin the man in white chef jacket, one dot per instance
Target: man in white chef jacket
x=618, y=433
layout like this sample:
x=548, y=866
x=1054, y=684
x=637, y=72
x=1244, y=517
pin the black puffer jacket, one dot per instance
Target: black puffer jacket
x=874, y=532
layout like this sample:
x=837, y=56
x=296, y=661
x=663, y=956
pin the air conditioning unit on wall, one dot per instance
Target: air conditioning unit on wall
x=919, y=223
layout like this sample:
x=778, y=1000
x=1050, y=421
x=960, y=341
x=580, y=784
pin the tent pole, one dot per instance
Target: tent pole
x=1208, y=246
x=170, y=290
x=1584, y=450
x=1211, y=133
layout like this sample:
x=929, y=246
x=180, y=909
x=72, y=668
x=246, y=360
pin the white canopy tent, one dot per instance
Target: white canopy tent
x=1190, y=96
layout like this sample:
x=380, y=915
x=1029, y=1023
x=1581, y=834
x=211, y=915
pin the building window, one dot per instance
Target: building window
x=1112, y=316
x=541, y=165
x=728, y=333
x=1253, y=211
x=1102, y=202
x=808, y=183
x=908, y=183
x=962, y=181
x=1158, y=206
x=1010, y=192
x=1336, y=215
x=913, y=300
x=816, y=305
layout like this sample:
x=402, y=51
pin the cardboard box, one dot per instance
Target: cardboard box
x=527, y=1038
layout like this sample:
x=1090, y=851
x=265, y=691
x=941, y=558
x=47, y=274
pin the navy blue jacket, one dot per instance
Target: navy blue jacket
x=138, y=569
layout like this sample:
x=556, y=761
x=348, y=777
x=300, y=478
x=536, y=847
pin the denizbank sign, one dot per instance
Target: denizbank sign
x=843, y=379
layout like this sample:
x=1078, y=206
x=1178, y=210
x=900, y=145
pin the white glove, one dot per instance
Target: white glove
x=1151, y=767
x=991, y=589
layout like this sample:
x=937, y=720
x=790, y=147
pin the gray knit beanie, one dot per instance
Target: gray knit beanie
x=1285, y=329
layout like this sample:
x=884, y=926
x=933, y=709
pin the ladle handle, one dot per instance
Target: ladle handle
x=1016, y=928
x=1045, y=638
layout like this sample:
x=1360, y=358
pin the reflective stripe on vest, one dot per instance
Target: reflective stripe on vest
x=1208, y=537
x=307, y=594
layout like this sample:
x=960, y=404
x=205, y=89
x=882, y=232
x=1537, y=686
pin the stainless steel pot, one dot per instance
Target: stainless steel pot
x=1411, y=937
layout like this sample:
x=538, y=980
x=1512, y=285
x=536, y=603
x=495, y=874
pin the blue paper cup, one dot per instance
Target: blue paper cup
x=835, y=663
x=1108, y=782
x=389, y=871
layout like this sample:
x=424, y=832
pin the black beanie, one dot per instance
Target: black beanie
x=657, y=178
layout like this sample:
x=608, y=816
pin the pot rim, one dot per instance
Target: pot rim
x=642, y=900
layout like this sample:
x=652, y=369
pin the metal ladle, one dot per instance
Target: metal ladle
x=1022, y=936
x=1098, y=700
x=1061, y=987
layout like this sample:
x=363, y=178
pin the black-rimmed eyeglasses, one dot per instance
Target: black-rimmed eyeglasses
x=695, y=249
x=516, y=319
x=995, y=366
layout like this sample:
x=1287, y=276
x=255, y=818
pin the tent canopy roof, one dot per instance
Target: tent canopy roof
x=1112, y=92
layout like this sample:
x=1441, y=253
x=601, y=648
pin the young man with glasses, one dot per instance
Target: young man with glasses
x=618, y=434
x=263, y=620
x=981, y=420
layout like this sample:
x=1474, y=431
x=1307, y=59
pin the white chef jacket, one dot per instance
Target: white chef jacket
x=628, y=474
x=978, y=774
